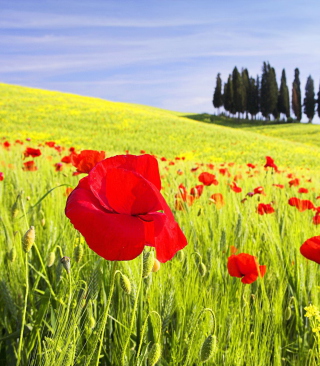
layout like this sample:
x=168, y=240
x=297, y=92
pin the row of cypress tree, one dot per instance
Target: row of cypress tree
x=244, y=95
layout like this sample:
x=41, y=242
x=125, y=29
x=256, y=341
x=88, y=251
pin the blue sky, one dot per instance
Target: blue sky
x=158, y=52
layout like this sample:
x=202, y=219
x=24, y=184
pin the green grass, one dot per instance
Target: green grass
x=63, y=313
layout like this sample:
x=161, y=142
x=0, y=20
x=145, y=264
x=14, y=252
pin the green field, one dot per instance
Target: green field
x=259, y=324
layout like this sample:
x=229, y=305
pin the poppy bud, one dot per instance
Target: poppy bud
x=78, y=253
x=51, y=259
x=208, y=348
x=12, y=255
x=15, y=210
x=154, y=354
x=287, y=313
x=65, y=261
x=180, y=255
x=43, y=221
x=125, y=284
x=91, y=322
x=202, y=269
x=148, y=261
x=156, y=265
x=28, y=239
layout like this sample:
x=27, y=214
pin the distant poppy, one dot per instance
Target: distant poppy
x=58, y=148
x=270, y=163
x=59, y=167
x=171, y=163
x=142, y=152
x=72, y=149
x=311, y=249
x=218, y=200
x=278, y=185
x=86, y=160
x=19, y=142
x=224, y=171
x=177, y=158
x=194, y=169
x=197, y=191
x=1, y=176
x=265, y=209
x=303, y=190
x=50, y=143
x=235, y=188
x=119, y=210
x=301, y=205
x=6, y=145
x=66, y=159
x=259, y=190
x=251, y=166
x=184, y=196
x=207, y=179
x=210, y=166
x=245, y=266
x=179, y=172
x=31, y=152
x=294, y=182
x=163, y=159
x=30, y=166
x=316, y=219
x=237, y=177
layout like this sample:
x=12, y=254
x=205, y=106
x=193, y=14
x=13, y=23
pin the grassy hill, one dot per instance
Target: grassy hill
x=98, y=124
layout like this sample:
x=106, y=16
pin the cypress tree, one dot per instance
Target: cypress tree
x=309, y=101
x=217, y=96
x=228, y=96
x=245, y=86
x=296, y=95
x=253, y=97
x=319, y=101
x=283, y=99
x=238, y=98
x=269, y=92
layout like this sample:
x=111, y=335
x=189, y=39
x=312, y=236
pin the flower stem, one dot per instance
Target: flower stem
x=123, y=355
x=24, y=311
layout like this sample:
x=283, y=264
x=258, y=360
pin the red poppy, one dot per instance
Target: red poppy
x=278, y=185
x=194, y=169
x=142, y=152
x=171, y=163
x=210, y=166
x=316, y=219
x=72, y=149
x=265, y=209
x=1, y=176
x=311, y=249
x=31, y=152
x=235, y=188
x=179, y=172
x=6, y=145
x=301, y=205
x=163, y=159
x=270, y=163
x=30, y=166
x=58, y=166
x=177, y=158
x=251, y=166
x=184, y=196
x=19, y=142
x=66, y=159
x=58, y=148
x=50, y=143
x=303, y=190
x=294, y=182
x=207, y=179
x=197, y=191
x=245, y=266
x=224, y=171
x=259, y=190
x=218, y=200
x=116, y=208
x=86, y=160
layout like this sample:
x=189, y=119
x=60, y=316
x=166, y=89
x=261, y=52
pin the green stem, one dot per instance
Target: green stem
x=195, y=328
x=123, y=354
x=24, y=311
x=144, y=330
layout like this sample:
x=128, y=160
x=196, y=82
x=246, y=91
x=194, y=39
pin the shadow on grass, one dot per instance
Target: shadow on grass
x=233, y=122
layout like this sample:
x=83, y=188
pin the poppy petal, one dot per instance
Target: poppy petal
x=233, y=268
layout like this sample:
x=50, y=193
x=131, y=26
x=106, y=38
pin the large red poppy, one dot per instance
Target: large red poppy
x=311, y=249
x=86, y=160
x=207, y=179
x=301, y=205
x=245, y=266
x=270, y=163
x=30, y=151
x=116, y=208
x=265, y=208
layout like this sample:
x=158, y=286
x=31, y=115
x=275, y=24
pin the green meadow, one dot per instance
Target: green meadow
x=49, y=316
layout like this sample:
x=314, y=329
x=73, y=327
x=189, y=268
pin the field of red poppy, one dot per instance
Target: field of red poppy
x=228, y=271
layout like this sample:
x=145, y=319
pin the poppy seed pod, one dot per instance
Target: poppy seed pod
x=51, y=259
x=156, y=265
x=148, y=262
x=125, y=284
x=208, y=348
x=180, y=255
x=65, y=261
x=154, y=354
x=28, y=239
x=202, y=269
x=78, y=253
x=287, y=313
